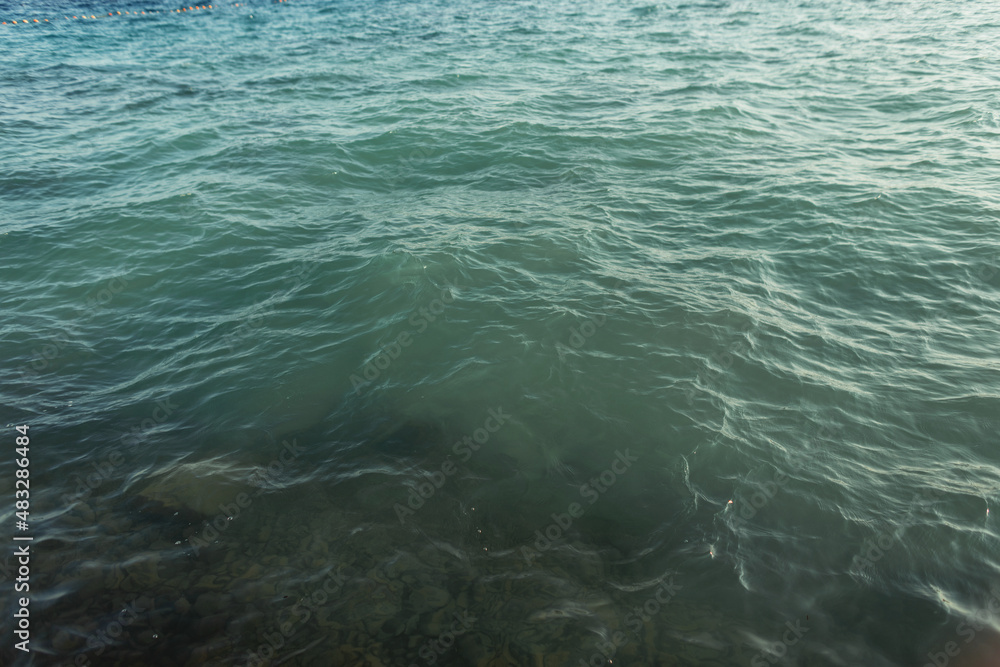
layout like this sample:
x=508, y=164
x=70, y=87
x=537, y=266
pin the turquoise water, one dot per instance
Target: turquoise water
x=480, y=333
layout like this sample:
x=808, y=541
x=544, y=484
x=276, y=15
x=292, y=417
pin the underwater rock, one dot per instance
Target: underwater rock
x=428, y=598
x=147, y=638
x=412, y=438
x=206, y=487
x=182, y=606
x=328, y=619
x=114, y=525
x=71, y=521
x=85, y=512
x=211, y=625
x=64, y=642
x=555, y=659
x=208, y=604
x=144, y=572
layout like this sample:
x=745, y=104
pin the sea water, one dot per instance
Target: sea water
x=453, y=332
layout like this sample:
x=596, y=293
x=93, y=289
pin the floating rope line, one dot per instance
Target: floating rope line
x=115, y=14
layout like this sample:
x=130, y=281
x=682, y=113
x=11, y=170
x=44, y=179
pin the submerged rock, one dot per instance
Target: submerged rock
x=206, y=487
